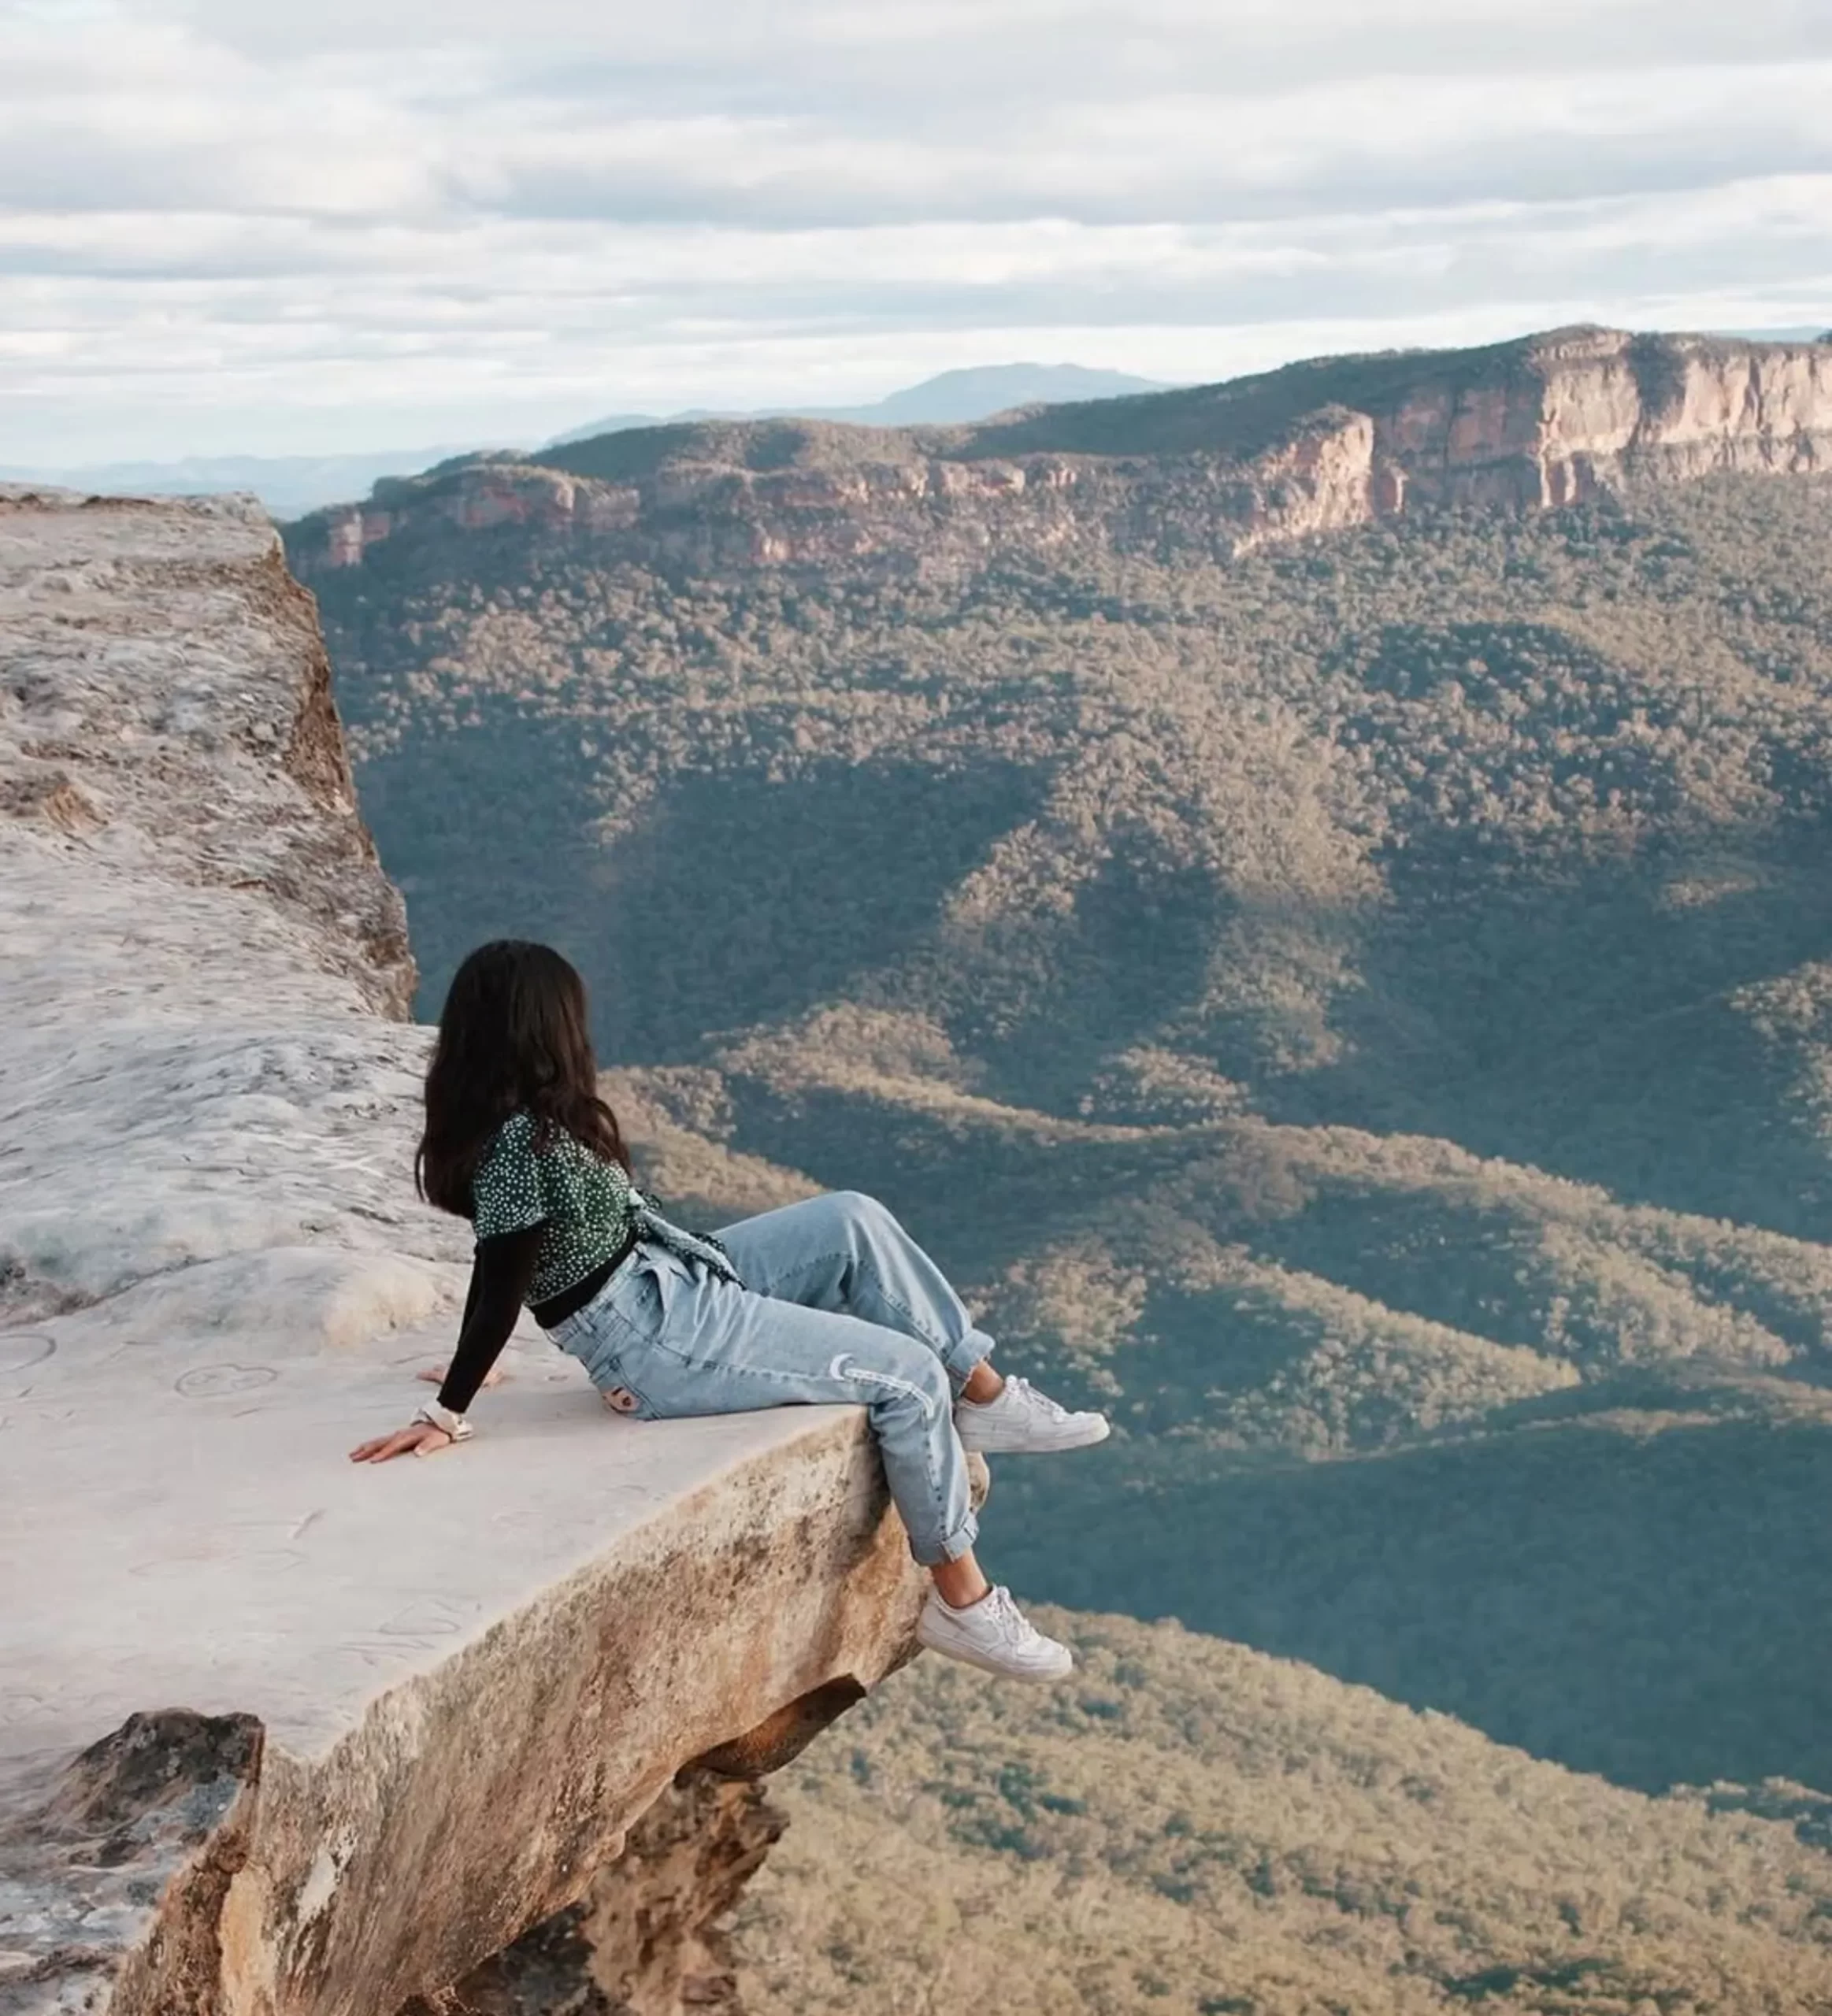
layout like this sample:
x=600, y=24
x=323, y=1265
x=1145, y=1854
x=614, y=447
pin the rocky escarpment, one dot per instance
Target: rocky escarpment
x=167, y=701
x=280, y=1736
x=1548, y=420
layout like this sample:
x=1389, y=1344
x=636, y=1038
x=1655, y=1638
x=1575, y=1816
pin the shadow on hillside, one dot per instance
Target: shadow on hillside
x=1656, y=1611
x=741, y=899
x=975, y=1194
x=499, y=816
x=736, y=899
x=1580, y=1027
x=1137, y=942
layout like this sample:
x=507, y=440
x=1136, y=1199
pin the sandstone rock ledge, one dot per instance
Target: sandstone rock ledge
x=280, y=1737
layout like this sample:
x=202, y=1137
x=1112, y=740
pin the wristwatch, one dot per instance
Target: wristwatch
x=443, y=1418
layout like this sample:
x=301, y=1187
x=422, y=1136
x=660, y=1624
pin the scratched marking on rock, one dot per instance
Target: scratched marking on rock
x=22, y=1349
x=207, y=1381
x=420, y=1620
x=271, y=1560
x=387, y=1653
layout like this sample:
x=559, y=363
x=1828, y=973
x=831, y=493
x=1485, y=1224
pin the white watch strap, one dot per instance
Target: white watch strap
x=448, y=1423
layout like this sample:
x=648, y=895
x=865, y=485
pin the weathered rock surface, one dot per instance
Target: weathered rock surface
x=1549, y=420
x=645, y=1941
x=279, y=1736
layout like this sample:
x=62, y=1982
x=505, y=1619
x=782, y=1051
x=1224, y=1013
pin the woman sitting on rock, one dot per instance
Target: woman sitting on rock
x=829, y=1300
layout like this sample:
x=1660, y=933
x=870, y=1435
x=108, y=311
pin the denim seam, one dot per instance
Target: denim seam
x=725, y=1368
x=945, y=1348
x=841, y=1367
x=808, y=1264
x=938, y=1345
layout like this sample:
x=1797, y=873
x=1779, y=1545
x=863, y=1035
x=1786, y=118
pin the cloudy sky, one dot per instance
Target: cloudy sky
x=280, y=226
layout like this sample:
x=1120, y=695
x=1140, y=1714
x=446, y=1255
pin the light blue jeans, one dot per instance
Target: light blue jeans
x=838, y=1304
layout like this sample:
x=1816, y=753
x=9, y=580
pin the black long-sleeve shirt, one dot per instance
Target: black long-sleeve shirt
x=502, y=1270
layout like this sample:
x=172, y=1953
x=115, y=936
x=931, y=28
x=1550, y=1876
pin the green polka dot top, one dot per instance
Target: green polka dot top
x=586, y=1203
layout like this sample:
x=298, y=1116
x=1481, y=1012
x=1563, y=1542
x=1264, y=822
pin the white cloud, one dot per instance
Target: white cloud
x=223, y=226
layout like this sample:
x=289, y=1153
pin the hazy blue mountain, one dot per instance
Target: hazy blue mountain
x=1795, y=332
x=959, y=396
x=952, y=397
x=291, y=486
x=288, y=485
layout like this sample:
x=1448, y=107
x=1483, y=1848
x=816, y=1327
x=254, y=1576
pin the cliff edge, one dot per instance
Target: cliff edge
x=279, y=1736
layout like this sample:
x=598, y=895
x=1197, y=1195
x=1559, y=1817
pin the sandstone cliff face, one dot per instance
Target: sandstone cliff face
x=279, y=1736
x=1587, y=410
x=1552, y=420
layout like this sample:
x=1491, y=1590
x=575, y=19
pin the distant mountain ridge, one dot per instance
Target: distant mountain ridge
x=951, y=398
x=1546, y=420
x=291, y=486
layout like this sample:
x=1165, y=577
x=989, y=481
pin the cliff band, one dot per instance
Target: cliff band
x=1549, y=420
x=280, y=1736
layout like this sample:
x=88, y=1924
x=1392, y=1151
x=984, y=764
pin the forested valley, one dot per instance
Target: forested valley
x=1361, y=1012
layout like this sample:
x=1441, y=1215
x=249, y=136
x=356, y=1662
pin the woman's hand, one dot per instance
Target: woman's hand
x=436, y=1375
x=422, y=1438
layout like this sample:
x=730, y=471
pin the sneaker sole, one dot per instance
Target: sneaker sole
x=962, y=1655
x=1082, y=1439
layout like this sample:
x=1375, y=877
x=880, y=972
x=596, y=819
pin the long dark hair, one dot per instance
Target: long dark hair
x=513, y=1038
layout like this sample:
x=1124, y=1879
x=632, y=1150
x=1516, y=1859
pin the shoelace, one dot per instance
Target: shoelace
x=1027, y=1391
x=1006, y=1613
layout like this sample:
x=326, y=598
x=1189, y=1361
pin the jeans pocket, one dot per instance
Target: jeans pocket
x=668, y=1272
x=636, y=1301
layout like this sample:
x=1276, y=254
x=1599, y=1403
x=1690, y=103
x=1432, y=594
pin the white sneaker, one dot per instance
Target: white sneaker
x=994, y=1635
x=1021, y=1418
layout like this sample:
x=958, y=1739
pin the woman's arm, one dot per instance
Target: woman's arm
x=500, y=1274
x=501, y=1271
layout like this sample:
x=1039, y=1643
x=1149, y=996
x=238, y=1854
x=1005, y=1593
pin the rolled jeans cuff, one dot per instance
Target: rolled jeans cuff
x=950, y=1546
x=963, y=1355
